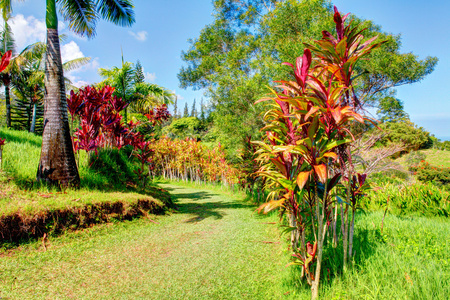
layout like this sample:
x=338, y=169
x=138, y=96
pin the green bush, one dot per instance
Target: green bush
x=407, y=133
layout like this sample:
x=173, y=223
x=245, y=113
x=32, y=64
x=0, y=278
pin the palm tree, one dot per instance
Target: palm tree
x=122, y=79
x=57, y=163
x=141, y=96
x=149, y=95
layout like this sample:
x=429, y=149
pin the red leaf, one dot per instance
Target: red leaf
x=5, y=60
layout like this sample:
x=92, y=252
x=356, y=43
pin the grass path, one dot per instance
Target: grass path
x=214, y=248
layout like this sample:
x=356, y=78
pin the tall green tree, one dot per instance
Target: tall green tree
x=194, y=110
x=139, y=76
x=391, y=109
x=241, y=52
x=122, y=79
x=175, y=109
x=57, y=163
x=186, y=111
x=202, y=111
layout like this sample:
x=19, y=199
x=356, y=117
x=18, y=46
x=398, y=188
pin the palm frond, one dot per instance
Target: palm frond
x=5, y=7
x=81, y=15
x=7, y=39
x=119, y=12
x=76, y=63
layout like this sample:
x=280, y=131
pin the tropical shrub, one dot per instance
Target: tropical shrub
x=406, y=133
x=305, y=154
x=99, y=114
x=191, y=160
x=414, y=158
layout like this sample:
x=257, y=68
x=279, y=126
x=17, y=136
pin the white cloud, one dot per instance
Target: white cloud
x=70, y=51
x=179, y=97
x=150, y=76
x=140, y=35
x=76, y=78
x=27, y=30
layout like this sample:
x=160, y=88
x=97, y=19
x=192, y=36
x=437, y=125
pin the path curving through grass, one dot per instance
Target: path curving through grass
x=214, y=247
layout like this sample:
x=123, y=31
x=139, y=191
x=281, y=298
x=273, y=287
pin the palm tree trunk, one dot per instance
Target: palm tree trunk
x=8, y=105
x=33, y=120
x=57, y=164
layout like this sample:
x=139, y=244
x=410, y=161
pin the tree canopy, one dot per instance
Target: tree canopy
x=236, y=57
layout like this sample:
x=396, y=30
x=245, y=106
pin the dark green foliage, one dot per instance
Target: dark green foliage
x=22, y=115
x=391, y=109
x=407, y=133
x=202, y=111
x=194, y=110
x=190, y=127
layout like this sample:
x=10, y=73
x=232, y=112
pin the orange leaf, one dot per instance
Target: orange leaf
x=302, y=178
x=331, y=155
x=321, y=171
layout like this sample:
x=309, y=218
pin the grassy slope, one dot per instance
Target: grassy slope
x=218, y=248
x=438, y=157
x=435, y=157
x=103, y=185
x=19, y=191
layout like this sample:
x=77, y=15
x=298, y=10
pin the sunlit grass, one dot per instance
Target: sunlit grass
x=217, y=247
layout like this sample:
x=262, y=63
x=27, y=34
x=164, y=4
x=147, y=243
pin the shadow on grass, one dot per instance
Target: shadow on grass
x=202, y=209
x=365, y=243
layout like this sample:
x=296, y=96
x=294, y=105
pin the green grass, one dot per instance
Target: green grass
x=435, y=157
x=214, y=248
x=217, y=247
x=108, y=178
x=106, y=183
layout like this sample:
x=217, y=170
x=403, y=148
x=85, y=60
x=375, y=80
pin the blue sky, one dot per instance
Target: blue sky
x=162, y=29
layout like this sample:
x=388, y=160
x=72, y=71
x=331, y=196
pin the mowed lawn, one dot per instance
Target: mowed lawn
x=217, y=247
x=214, y=248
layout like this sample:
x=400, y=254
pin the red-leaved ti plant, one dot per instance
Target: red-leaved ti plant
x=306, y=153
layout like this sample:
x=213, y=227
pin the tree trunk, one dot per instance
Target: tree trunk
x=57, y=164
x=33, y=120
x=8, y=105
